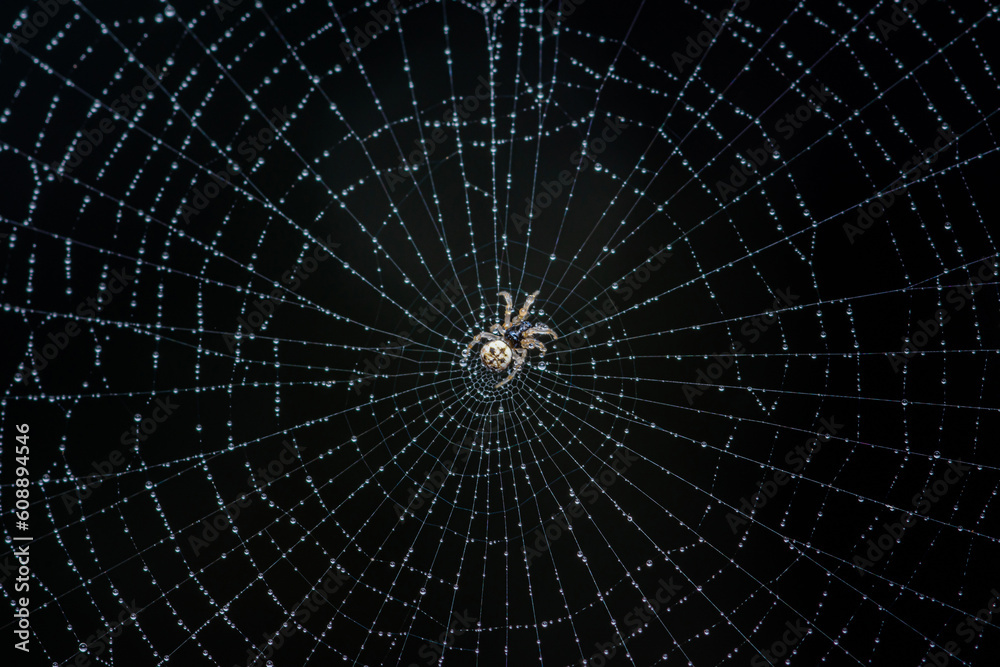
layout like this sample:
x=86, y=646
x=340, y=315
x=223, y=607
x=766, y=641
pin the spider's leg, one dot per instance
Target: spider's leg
x=519, y=357
x=532, y=344
x=498, y=328
x=479, y=336
x=510, y=306
x=526, y=308
x=539, y=330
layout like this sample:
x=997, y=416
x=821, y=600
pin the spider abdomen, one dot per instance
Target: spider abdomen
x=497, y=355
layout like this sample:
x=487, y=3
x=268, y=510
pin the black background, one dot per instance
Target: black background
x=365, y=447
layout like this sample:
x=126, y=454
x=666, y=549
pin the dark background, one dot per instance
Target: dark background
x=523, y=449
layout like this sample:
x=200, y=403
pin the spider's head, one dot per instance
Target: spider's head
x=513, y=333
x=497, y=355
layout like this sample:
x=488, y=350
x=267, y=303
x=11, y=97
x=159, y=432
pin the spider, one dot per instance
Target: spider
x=515, y=338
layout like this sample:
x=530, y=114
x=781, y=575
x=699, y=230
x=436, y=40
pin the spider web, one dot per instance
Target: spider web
x=763, y=235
